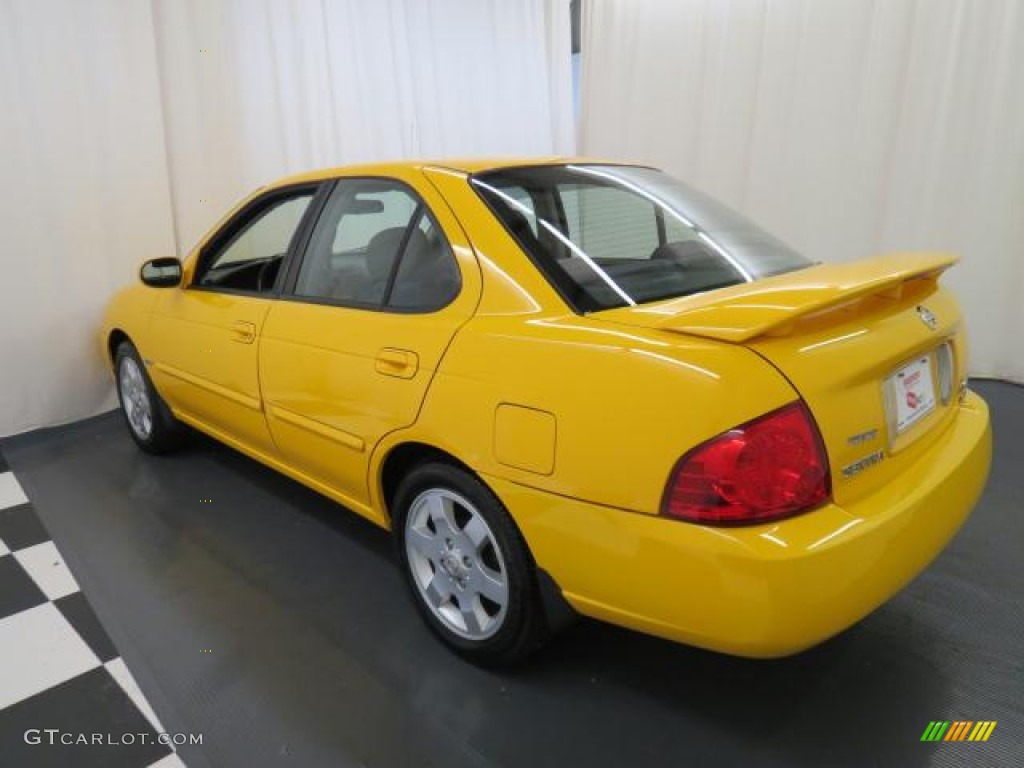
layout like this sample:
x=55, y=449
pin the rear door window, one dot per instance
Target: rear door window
x=377, y=246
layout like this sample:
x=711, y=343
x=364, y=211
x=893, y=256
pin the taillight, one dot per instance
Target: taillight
x=772, y=467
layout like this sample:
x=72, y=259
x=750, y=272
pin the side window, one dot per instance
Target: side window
x=377, y=245
x=427, y=276
x=250, y=259
x=371, y=212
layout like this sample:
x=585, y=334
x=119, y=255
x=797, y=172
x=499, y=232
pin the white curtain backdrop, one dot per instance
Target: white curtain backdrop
x=83, y=194
x=848, y=127
x=129, y=127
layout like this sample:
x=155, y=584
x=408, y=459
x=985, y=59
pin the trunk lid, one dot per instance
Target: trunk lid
x=860, y=342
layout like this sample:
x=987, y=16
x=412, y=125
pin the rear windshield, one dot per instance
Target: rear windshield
x=612, y=236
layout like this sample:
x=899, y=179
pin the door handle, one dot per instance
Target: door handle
x=401, y=363
x=243, y=332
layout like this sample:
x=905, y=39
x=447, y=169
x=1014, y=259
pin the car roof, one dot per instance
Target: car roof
x=459, y=165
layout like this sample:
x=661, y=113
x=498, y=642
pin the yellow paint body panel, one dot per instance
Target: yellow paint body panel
x=771, y=306
x=205, y=360
x=525, y=438
x=575, y=422
x=767, y=590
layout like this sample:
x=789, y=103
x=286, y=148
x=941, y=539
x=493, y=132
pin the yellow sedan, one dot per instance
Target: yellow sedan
x=573, y=387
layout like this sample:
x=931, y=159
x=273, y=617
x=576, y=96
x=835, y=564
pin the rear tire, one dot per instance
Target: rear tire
x=467, y=566
x=150, y=421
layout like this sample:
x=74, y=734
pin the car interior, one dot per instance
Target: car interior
x=407, y=267
x=673, y=268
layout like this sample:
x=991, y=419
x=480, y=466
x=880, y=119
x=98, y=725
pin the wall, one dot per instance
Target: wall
x=129, y=127
x=847, y=127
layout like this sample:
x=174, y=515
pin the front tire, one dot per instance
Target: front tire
x=467, y=566
x=150, y=422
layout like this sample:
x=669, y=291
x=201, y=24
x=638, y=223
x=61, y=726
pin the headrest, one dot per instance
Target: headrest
x=383, y=247
x=686, y=253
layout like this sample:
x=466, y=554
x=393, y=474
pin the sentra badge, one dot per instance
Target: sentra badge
x=866, y=463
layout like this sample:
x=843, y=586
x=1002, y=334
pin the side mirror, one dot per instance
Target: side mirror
x=161, y=273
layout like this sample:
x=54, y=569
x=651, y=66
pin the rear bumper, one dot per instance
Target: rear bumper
x=764, y=591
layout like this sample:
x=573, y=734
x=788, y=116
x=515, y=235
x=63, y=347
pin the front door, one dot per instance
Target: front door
x=208, y=332
x=348, y=353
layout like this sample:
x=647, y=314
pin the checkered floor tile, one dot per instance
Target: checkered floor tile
x=66, y=696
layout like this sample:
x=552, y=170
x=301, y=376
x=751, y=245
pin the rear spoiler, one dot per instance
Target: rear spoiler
x=772, y=306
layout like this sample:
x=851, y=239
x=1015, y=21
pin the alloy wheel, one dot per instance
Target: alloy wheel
x=456, y=563
x=135, y=398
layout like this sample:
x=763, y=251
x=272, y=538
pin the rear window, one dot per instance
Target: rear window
x=611, y=236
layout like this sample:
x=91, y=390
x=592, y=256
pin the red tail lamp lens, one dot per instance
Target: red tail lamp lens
x=772, y=467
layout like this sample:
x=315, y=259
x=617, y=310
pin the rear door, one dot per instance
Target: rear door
x=346, y=357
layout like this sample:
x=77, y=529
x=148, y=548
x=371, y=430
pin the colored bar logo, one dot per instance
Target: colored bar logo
x=958, y=730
